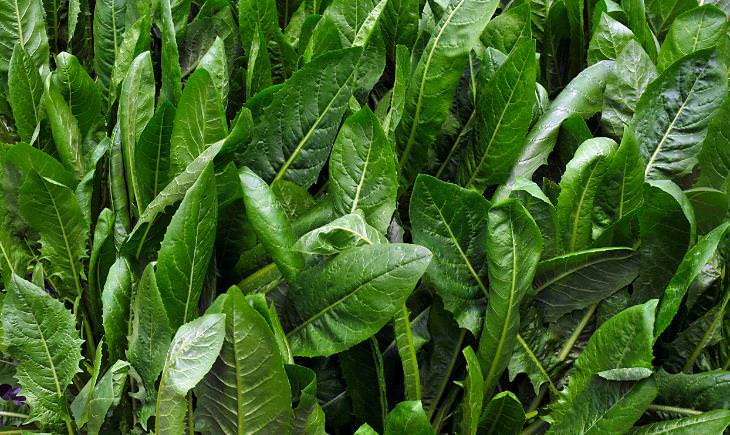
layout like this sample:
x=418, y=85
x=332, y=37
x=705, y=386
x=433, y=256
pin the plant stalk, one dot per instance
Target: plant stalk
x=673, y=409
x=565, y=351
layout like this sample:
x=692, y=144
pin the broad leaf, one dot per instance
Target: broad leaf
x=40, y=334
x=503, y=115
x=694, y=30
x=673, y=113
x=608, y=40
x=452, y=222
x=503, y=414
x=247, y=390
x=186, y=250
x=116, y=305
x=715, y=155
x=713, y=422
x=192, y=353
x=372, y=281
x=109, y=21
x=297, y=148
x=79, y=91
x=435, y=80
x=363, y=170
x=346, y=232
x=152, y=154
x=149, y=338
x=408, y=418
x=514, y=245
x=25, y=92
x=21, y=23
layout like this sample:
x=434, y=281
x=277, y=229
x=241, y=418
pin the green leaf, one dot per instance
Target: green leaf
x=503, y=115
x=713, y=422
x=116, y=304
x=25, y=90
x=40, y=334
x=109, y=21
x=80, y=405
x=471, y=406
x=270, y=223
x=580, y=279
x=406, y=345
x=343, y=233
x=192, y=353
x=400, y=87
x=136, y=108
x=186, y=250
x=697, y=29
x=715, y=155
x=452, y=222
x=506, y=30
x=263, y=13
x=169, y=196
x=52, y=210
x=247, y=390
x=408, y=418
x=621, y=188
x=214, y=61
x=704, y=391
x=590, y=404
x=582, y=97
x=258, y=74
x=626, y=82
x=435, y=80
x=293, y=136
x=667, y=230
x=688, y=269
x=362, y=369
x=673, y=113
x=362, y=170
x=636, y=19
x=399, y=24
x=626, y=374
x=21, y=24
x=171, y=74
x=134, y=42
x=149, y=338
x=199, y=121
x=609, y=39
x=79, y=91
x=543, y=211
x=579, y=187
x=514, y=245
x=372, y=281
x=108, y=393
x=65, y=129
x=152, y=154
x=503, y=414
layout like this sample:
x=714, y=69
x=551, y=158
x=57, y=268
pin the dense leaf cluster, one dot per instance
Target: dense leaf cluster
x=364, y=216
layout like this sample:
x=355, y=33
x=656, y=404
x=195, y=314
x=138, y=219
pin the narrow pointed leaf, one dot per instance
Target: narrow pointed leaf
x=25, y=92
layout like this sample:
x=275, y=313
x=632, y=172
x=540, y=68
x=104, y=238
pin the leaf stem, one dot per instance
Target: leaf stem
x=69, y=425
x=674, y=409
x=565, y=351
x=12, y=414
x=191, y=429
x=533, y=428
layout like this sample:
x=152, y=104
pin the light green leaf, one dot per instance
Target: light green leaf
x=214, y=61
x=263, y=13
x=697, y=29
x=579, y=186
x=343, y=233
x=270, y=223
x=186, y=250
x=25, y=90
x=435, y=80
x=116, y=305
x=134, y=42
x=199, y=121
x=149, y=338
x=609, y=39
x=503, y=115
x=452, y=222
x=21, y=23
x=247, y=390
x=583, y=97
x=65, y=129
x=408, y=418
x=406, y=345
x=258, y=74
x=708, y=423
x=80, y=405
x=514, y=245
x=471, y=407
x=506, y=30
x=52, y=210
x=362, y=170
x=691, y=266
x=79, y=91
x=171, y=74
x=503, y=415
x=109, y=21
x=192, y=353
x=293, y=136
x=715, y=155
x=372, y=281
x=108, y=393
x=673, y=114
x=40, y=334
x=136, y=108
x=590, y=404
